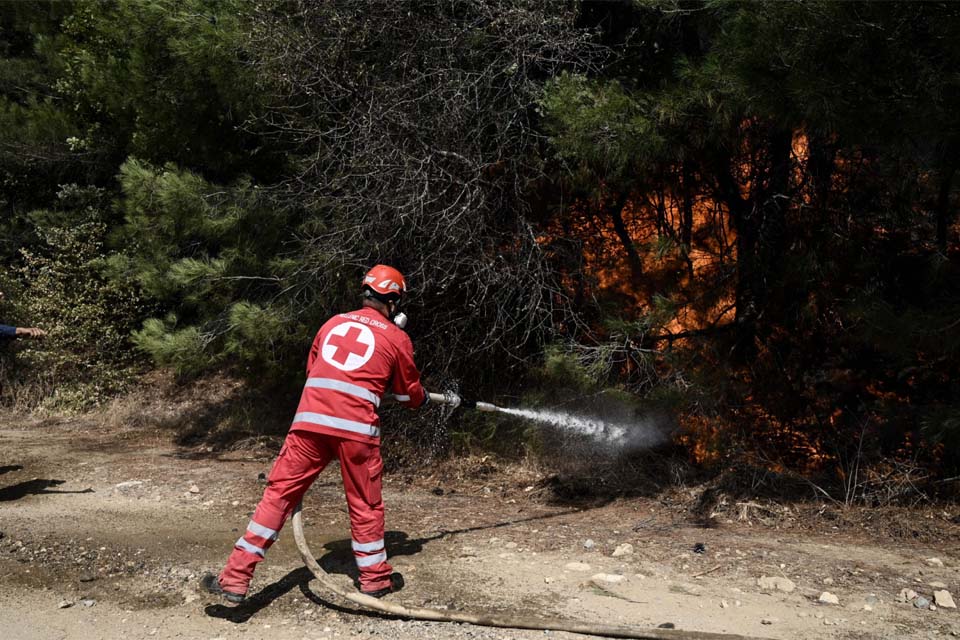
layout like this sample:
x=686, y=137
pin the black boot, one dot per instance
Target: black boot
x=211, y=584
x=396, y=583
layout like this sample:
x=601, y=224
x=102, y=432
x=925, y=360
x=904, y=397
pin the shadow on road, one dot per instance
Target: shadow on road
x=299, y=578
x=339, y=561
x=311, y=595
x=244, y=611
x=36, y=486
x=10, y=467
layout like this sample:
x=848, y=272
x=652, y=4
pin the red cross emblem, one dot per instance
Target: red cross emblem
x=348, y=346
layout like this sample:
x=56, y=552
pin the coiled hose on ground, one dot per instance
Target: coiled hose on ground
x=511, y=622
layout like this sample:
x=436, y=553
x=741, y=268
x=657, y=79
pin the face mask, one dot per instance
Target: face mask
x=400, y=319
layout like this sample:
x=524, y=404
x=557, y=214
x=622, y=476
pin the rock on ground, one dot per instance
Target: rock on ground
x=775, y=583
x=828, y=598
x=906, y=595
x=943, y=599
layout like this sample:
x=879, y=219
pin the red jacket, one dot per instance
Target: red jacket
x=354, y=359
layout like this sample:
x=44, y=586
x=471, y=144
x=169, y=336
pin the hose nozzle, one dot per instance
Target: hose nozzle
x=447, y=398
x=479, y=406
x=452, y=399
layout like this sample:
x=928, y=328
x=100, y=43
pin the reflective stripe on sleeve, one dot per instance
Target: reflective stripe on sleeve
x=369, y=561
x=262, y=531
x=344, y=387
x=252, y=548
x=367, y=547
x=402, y=398
x=338, y=423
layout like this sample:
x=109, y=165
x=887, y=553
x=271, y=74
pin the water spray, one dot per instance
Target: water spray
x=630, y=434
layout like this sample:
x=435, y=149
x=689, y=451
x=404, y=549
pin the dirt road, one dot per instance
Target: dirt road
x=104, y=535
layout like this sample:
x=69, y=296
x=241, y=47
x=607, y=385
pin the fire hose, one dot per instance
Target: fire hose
x=504, y=621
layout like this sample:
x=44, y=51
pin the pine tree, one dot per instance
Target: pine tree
x=216, y=257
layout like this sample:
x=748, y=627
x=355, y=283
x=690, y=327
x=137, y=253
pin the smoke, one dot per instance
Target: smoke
x=624, y=434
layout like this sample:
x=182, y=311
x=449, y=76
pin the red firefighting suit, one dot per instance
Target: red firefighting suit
x=354, y=359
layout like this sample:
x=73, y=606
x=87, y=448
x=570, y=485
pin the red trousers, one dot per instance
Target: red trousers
x=303, y=456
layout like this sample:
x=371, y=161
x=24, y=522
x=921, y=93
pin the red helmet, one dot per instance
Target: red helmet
x=385, y=283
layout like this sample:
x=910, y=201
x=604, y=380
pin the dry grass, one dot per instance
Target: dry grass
x=24, y=395
x=207, y=416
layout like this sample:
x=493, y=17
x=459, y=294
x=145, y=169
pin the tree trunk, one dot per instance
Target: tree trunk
x=744, y=223
x=943, y=212
x=686, y=223
x=615, y=211
x=776, y=201
x=760, y=223
x=821, y=160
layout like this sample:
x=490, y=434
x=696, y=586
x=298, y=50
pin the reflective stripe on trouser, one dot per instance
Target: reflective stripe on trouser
x=369, y=554
x=361, y=468
x=257, y=539
x=303, y=456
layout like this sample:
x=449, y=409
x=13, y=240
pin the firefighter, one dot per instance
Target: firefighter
x=356, y=359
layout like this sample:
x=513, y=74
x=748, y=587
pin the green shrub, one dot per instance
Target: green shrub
x=214, y=256
x=87, y=355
